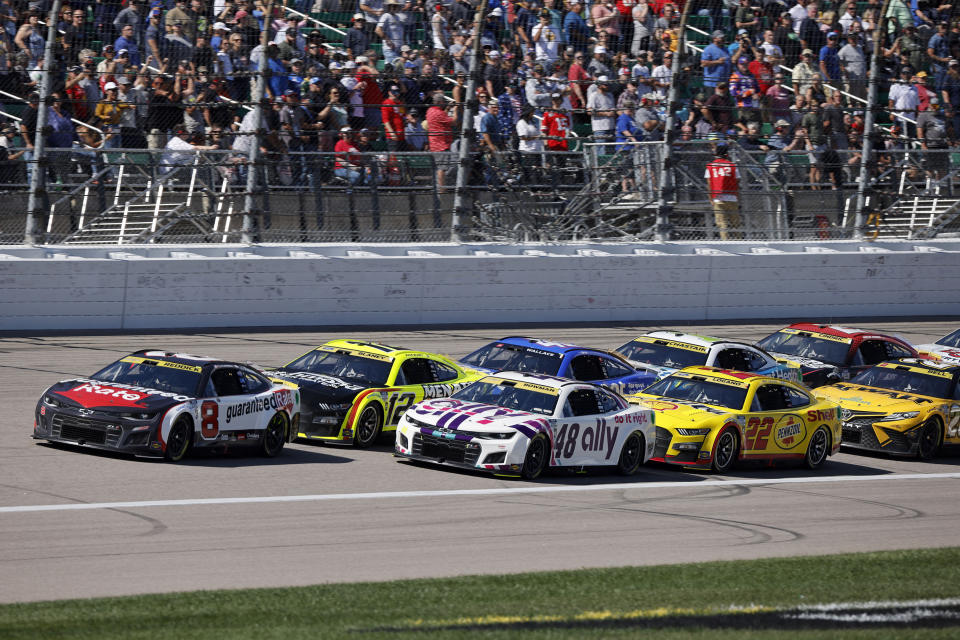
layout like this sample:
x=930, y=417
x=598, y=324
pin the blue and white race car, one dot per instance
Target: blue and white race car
x=946, y=349
x=530, y=355
x=514, y=424
x=669, y=351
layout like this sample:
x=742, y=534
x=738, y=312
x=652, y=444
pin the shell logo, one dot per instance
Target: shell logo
x=789, y=432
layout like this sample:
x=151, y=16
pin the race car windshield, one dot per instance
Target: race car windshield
x=510, y=357
x=807, y=346
x=152, y=375
x=905, y=380
x=344, y=365
x=662, y=354
x=950, y=340
x=509, y=397
x=702, y=391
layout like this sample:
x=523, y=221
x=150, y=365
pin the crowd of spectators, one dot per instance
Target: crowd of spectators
x=777, y=75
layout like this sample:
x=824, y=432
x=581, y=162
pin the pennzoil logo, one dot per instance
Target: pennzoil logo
x=789, y=431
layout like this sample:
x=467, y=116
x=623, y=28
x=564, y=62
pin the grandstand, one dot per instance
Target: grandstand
x=128, y=121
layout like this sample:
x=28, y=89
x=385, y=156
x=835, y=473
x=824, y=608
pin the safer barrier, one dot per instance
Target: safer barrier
x=168, y=287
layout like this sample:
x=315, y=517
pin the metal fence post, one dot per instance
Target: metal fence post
x=248, y=233
x=39, y=176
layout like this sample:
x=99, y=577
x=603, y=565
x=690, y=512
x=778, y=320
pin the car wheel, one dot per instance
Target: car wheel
x=537, y=458
x=274, y=436
x=631, y=455
x=725, y=450
x=178, y=440
x=929, y=439
x=818, y=448
x=368, y=427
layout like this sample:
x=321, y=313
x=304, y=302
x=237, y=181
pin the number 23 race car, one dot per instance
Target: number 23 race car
x=516, y=424
x=160, y=404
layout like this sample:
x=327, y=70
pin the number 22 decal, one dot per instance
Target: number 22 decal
x=757, y=433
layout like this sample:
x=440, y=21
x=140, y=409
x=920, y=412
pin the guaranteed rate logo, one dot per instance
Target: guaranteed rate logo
x=275, y=401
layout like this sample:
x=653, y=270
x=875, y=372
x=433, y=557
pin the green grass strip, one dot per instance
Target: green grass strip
x=716, y=600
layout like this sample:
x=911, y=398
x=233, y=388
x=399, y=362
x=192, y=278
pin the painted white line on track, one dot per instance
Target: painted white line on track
x=394, y=495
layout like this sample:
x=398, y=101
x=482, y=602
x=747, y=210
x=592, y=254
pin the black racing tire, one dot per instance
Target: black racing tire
x=178, y=440
x=369, y=425
x=725, y=450
x=537, y=457
x=818, y=448
x=930, y=436
x=274, y=436
x=631, y=454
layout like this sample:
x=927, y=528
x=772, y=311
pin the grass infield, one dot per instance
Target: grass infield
x=896, y=594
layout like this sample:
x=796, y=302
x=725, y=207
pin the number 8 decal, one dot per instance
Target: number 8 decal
x=209, y=423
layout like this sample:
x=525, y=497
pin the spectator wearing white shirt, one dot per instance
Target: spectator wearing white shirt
x=904, y=100
x=546, y=40
x=662, y=74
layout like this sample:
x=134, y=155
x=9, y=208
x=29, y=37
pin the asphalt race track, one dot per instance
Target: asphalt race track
x=81, y=524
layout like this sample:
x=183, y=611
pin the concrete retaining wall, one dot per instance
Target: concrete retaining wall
x=166, y=287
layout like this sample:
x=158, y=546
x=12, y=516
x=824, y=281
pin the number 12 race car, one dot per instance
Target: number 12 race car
x=516, y=424
x=160, y=404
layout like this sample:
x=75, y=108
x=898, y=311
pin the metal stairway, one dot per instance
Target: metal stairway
x=151, y=210
x=920, y=213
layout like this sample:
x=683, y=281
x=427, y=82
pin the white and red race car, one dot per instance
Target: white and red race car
x=516, y=424
x=946, y=349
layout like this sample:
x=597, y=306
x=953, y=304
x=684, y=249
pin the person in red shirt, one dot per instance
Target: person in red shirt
x=372, y=98
x=762, y=70
x=579, y=81
x=393, y=113
x=349, y=162
x=723, y=181
x=440, y=135
x=555, y=127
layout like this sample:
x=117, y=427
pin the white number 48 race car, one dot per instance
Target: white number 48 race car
x=515, y=424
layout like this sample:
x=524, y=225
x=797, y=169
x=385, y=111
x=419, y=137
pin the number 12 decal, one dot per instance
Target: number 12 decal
x=397, y=404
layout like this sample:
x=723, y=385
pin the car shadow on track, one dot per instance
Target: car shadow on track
x=230, y=456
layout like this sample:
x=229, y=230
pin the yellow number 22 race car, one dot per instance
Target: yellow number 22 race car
x=711, y=418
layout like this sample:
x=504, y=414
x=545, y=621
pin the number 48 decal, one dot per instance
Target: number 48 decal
x=757, y=433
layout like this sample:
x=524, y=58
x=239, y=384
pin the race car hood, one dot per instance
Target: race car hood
x=660, y=371
x=456, y=415
x=940, y=353
x=95, y=394
x=858, y=398
x=681, y=413
x=806, y=364
x=329, y=388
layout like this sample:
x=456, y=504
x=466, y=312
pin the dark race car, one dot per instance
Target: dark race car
x=353, y=390
x=160, y=404
x=533, y=356
x=828, y=354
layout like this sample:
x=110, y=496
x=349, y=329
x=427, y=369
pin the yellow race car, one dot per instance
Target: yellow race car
x=907, y=407
x=709, y=418
x=352, y=391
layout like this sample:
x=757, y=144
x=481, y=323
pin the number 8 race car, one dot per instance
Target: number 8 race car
x=157, y=403
x=518, y=424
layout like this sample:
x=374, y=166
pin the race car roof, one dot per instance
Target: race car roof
x=738, y=377
x=373, y=348
x=179, y=358
x=547, y=381
x=689, y=338
x=544, y=345
x=831, y=330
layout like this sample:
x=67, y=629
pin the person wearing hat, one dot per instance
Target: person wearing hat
x=349, y=164
x=598, y=65
x=356, y=40
x=715, y=62
x=440, y=27
x=853, y=66
x=555, y=127
x=649, y=123
x=390, y=29
x=932, y=132
x=723, y=183
x=495, y=77
x=393, y=113
x=529, y=145
x=546, y=40
x=109, y=112
x=9, y=170
x=575, y=29
x=601, y=106
x=829, y=60
x=804, y=72
x=912, y=47
x=903, y=101
x=744, y=88
x=153, y=35
x=220, y=32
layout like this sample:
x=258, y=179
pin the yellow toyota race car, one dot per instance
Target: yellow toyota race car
x=352, y=391
x=709, y=418
x=907, y=407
